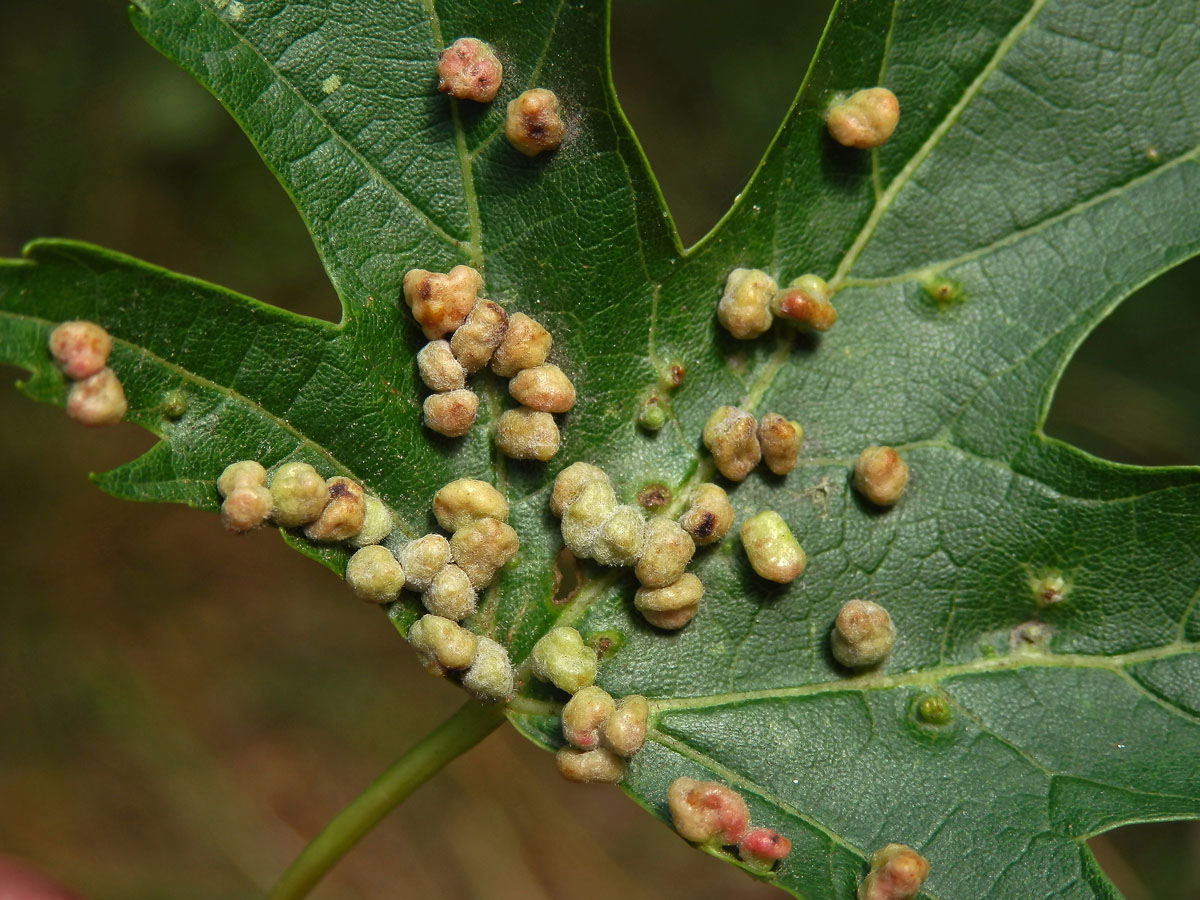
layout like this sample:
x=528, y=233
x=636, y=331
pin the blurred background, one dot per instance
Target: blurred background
x=179, y=711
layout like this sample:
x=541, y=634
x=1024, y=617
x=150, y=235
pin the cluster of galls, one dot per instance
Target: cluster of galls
x=449, y=574
x=481, y=333
x=81, y=350
x=707, y=812
x=752, y=301
x=469, y=70
x=738, y=444
x=595, y=526
x=601, y=733
x=328, y=509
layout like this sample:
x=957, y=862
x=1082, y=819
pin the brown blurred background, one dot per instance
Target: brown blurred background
x=180, y=711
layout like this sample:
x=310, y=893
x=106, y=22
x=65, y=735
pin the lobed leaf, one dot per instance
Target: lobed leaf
x=1045, y=165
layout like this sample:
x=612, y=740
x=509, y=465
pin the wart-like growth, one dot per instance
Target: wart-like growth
x=532, y=124
x=80, y=348
x=731, y=435
x=862, y=635
x=441, y=303
x=772, y=549
x=780, y=442
x=707, y=812
x=673, y=606
x=562, y=658
x=299, y=494
x=599, y=765
x=525, y=433
x=467, y=500
x=442, y=644
x=865, y=119
x=745, y=306
x=897, y=873
x=478, y=337
x=98, y=399
x=469, y=70
x=805, y=303
x=526, y=344
x=374, y=575
x=451, y=414
x=880, y=475
x=709, y=516
x=344, y=512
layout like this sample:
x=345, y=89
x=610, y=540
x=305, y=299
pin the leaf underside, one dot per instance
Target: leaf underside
x=1047, y=161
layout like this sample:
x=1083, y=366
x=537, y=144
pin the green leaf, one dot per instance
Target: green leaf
x=1045, y=166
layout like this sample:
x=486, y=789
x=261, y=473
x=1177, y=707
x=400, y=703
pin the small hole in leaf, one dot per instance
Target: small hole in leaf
x=1155, y=861
x=1132, y=392
x=567, y=577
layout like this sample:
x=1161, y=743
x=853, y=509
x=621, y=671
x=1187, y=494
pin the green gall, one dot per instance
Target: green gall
x=438, y=368
x=668, y=550
x=625, y=728
x=441, y=303
x=244, y=473
x=524, y=433
x=482, y=548
x=709, y=515
x=707, y=812
x=450, y=594
x=942, y=291
x=897, y=873
x=571, y=481
x=80, y=348
x=653, y=415
x=477, y=339
x=584, y=716
x=299, y=494
x=780, y=442
x=422, y=559
x=561, y=657
x=97, y=400
x=469, y=70
x=865, y=119
x=598, y=766
x=1049, y=590
x=773, y=551
x=467, y=500
x=880, y=475
x=490, y=677
x=442, y=644
x=377, y=523
x=730, y=434
x=673, y=606
x=174, y=404
x=862, y=635
x=344, y=512
x=450, y=414
x=744, y=308
x=532, y=124
x=374, y=575
x=587, y=514
x=246, y=508
x=934, y=709
x=546, y=388
x=621, y=538
x=526, y=344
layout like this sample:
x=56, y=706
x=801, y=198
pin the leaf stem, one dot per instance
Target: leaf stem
x=456, y=735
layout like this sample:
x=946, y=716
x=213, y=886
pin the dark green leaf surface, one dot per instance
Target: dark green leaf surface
x=1046, y=161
